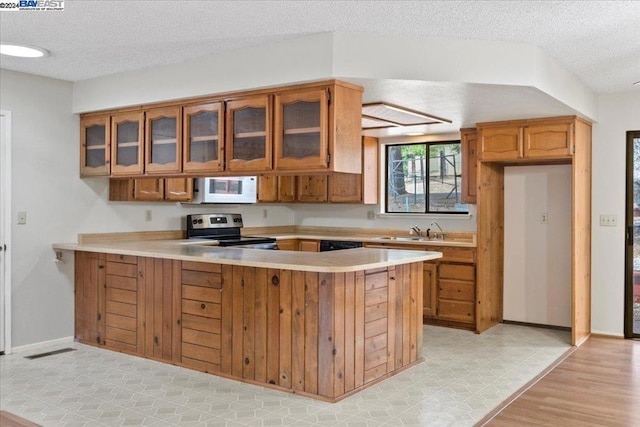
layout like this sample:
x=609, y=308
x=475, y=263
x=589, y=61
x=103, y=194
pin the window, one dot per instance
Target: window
x=424, y=178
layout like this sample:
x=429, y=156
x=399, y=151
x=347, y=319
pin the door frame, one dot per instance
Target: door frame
x=5, y=223
x=628, y=243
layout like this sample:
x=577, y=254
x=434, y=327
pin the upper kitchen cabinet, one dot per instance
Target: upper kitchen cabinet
x=469, y=146
x=527, y=140
x=203, y=139
x=95, y=145
x=163, y=140
x=248, y=143
x=318, y=128
x=301, y=124
x=127, y=154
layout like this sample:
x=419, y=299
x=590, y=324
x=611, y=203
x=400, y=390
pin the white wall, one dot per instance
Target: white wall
x=618, y=114
x=59, y=205
x=537, y=257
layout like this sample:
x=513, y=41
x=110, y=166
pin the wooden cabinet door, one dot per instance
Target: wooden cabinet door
x=287, y=189
x=160, y=308
x=267, y=189
x=300, y=130
x=345, y=188
x=163, y=140
x=309, y=246
x=287, y=245
x=469, y=165
x=203, y=137
x=178, y=189
x=248, y=130
x=89, y=327
x=124, y=327
x=95, y=146
x=127, y=146
x=312, y=188
x=429, y=289
x=500, y=143
x=548, y=141
x=148, y=189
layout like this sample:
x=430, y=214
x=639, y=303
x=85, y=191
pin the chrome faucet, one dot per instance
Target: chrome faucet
x=416, y=230
x=435, y=235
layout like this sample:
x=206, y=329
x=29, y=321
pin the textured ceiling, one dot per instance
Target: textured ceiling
x=599, y=41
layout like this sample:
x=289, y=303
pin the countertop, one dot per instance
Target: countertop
x=189, y=250
x=407, y=240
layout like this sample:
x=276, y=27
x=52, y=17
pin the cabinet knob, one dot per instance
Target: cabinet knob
x=203, y=306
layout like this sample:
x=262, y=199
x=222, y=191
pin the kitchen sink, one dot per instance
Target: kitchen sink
x=411, y=239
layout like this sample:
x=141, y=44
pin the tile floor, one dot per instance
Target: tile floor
x=464, y=377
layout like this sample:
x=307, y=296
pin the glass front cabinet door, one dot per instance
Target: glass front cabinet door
x=248, y=143
x=94, y=146
x=163, y=143
x=203, y=130
x=127, y=144
x=301, y=124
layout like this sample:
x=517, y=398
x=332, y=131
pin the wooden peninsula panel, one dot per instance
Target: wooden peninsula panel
x=321, y=334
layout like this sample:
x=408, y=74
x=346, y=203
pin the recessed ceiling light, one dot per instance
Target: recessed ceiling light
x=22, y=51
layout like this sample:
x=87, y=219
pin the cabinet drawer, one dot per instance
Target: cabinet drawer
x=200, y=293
x=202, y=278
x=198, y=308
x=127, y=259
x=453, y=289
x=457, y=272
x=453, y=254
x=122, y=269
x=458, y=311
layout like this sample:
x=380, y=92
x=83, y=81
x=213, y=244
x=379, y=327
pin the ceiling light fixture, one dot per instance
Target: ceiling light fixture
x=22, y=51
x=383, y=114
x=414, y=133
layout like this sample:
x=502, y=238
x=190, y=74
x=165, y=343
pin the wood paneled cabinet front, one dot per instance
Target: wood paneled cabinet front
x=276, y=189
x=163, y=140
x=127, y=143
x=469, y=146
x=318, y=128
x=536, y=139
x=95, y=146
x=151, y=189
x=248, y=142
x=203, y=140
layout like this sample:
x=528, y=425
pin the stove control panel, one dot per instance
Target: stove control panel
x=203, y=221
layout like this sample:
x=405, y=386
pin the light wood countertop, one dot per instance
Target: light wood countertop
x=190, y=250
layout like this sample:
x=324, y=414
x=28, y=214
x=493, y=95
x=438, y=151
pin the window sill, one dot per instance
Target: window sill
x=461, y=216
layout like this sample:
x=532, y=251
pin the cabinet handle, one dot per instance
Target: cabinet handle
x=203, y=306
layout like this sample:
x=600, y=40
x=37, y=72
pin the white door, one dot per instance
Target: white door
x=5, y=231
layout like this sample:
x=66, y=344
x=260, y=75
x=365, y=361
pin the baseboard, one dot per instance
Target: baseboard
x=29, y=347
x=606, y=335
x=537, y=325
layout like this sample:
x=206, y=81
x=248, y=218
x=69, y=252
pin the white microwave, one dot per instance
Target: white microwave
x=236, y=189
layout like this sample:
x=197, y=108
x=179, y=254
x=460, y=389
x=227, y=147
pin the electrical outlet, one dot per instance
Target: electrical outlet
x=147, y=215
x=371, y=215
x=608, y=220
x=265, y=213
x=544, y=217
x=22, y=218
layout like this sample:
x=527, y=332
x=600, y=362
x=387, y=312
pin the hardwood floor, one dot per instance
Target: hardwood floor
x=7, y=419
x=597, y=385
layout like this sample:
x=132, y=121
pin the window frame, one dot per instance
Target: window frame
x=384, y=193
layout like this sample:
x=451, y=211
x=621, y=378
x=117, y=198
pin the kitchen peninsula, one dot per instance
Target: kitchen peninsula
x=324, y=325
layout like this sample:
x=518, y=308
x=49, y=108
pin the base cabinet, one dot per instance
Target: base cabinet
x=324, y=335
